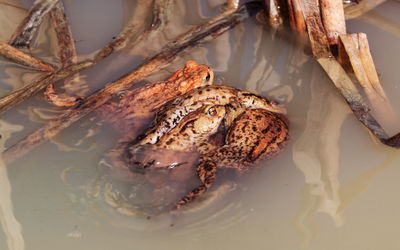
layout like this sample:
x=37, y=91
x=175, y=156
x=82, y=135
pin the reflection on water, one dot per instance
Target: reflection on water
x=316, y=153
x=333, y=182
x=11, y=227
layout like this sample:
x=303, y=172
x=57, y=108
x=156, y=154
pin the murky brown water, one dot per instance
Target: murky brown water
x=333, y=188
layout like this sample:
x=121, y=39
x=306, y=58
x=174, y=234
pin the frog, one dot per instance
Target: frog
x=253, y=135
x=255, y=128
x=192, y=134
x=173, y=111
x=141, y=103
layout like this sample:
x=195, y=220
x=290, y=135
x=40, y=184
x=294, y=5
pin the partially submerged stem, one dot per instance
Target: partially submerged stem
x=23, y=35
x=68, y=57
x=362, y=65
x=131, y=29
x=33, y=88
x=215, y=27
x=22, y=58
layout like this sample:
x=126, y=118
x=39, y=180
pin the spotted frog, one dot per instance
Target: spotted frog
x=255, y=128
x=142, y=102
x=192, y=134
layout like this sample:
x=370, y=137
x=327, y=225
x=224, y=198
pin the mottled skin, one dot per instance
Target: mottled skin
x=137, y=106
x=173, y=111
x=142, y=102
x=255, y=134
x=190, y=135
x=255, y=129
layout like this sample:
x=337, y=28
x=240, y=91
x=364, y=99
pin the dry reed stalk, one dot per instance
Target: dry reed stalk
x=17, y=96
x=273, y=13
x=333, y=19
x=68, y=57
x=22, y=58
x=321, y=50
x=23, y=35
x=297, y=22
x=213, y=28
x=133, y=28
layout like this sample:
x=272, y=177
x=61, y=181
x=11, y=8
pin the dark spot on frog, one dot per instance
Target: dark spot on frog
x=208, y=166
x=171, y=140
x=264, y=131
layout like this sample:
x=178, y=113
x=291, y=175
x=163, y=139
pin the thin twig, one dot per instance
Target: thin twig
x=22, y=58
x=161, y=15
x=168, y=54
x=13, y=98
x=131, y=29
x=23, y=35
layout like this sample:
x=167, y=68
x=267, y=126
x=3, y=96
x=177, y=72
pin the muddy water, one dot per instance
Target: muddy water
x=333, y=188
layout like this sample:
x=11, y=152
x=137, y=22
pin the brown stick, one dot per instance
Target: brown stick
x=33, y=88
x=132, y=28
x=297, y=21
x=357, y=51
x=273, y=13
x=354, y=52
x=20, y=95
x=25, y=31
x=67, y=56
x=333, y=19
x=22, y=58
x=320, y=47
x=213, y=28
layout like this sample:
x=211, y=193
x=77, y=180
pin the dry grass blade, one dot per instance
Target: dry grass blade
x=215, y=27
x=23, y=35
x=22, y=58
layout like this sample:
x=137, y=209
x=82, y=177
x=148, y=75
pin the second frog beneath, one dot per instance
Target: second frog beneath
x=253, y=128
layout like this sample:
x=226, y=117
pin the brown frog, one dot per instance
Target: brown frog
x=192, y=134
x=173, y=111
x=142, y=102
x=255, y=128
x=253, y=135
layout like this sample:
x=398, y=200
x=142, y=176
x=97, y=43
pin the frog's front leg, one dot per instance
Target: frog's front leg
x=206, y=170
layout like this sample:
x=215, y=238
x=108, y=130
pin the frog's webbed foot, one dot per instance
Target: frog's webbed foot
x=206, y=170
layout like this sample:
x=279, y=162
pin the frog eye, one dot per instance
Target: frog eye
x=208, y=77
x=212, y=111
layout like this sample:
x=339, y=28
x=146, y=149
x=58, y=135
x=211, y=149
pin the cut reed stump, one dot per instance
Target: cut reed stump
x=341, y=55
